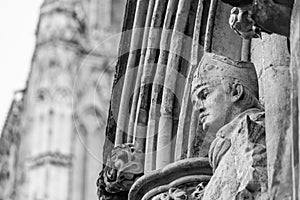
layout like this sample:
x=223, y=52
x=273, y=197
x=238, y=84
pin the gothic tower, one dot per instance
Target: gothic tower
x=47, y=138
x=66, y=99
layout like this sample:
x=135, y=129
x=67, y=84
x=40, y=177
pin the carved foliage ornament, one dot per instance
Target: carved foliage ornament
x=124, y=166
x=182, y=194
x=199, y=191
x=172, y=194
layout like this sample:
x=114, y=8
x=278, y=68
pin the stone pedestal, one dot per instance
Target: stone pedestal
x=183, y=179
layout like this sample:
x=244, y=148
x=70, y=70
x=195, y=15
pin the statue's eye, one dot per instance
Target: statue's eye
x=203, y=94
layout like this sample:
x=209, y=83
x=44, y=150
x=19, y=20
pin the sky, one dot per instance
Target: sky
x=18, y=20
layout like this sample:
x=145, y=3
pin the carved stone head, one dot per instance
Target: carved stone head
x=222, y=88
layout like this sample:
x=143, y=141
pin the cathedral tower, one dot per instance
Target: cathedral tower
x=66, y=99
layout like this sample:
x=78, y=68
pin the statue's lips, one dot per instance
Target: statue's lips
x=202, y=117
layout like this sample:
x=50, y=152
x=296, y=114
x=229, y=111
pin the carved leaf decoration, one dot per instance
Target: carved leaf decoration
x=172, y=194
x=123, y=167
x=199, y=191
x=177, y=194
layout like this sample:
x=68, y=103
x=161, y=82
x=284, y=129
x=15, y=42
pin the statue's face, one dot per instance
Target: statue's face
x=214, y=105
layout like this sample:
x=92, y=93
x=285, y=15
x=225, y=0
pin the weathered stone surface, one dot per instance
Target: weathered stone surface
x=238, y=156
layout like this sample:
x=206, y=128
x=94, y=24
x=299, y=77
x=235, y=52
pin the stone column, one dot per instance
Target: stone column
x=157, y=88
x=123, y=54
x=294, y=66
x=277, y=89
x=187, y=108
x=179, y=47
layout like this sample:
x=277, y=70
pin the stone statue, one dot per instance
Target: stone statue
x=226, y=94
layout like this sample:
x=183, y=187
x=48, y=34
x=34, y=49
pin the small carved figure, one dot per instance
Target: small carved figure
x=124, y=166
x=249, y=17
x=226, y=94
x=242, y=24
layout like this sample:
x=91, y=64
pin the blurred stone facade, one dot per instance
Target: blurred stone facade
x=52, y=140
x=9, y=150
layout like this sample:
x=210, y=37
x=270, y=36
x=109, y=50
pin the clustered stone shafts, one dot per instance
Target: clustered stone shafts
x=131, y=74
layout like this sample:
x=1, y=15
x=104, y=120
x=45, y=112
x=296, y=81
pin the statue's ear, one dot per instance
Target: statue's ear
x=237, y=92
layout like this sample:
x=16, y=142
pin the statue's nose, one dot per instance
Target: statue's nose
x=200, y=106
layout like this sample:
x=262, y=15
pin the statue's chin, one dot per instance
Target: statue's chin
x=209, y=128
x=205, y=126
x=212, y=128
